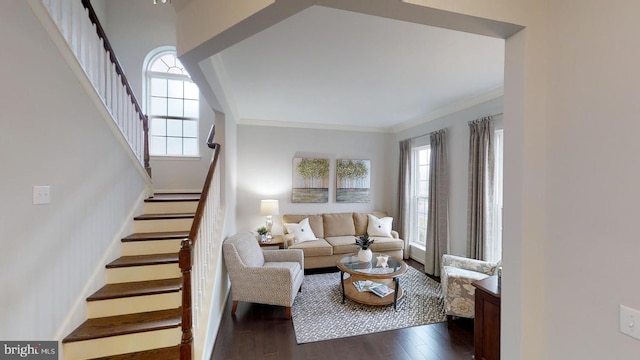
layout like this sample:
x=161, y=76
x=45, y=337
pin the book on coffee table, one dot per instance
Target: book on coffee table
x=379, y=289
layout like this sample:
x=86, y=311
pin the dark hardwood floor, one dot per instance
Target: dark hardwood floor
x=261, y=332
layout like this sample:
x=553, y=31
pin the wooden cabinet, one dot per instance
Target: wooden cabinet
x=486, y=336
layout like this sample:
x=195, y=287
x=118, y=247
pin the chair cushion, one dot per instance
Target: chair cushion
x=343, y=244
x=247, y=248
x=338, y=225
x=318, y=247
x=451, y=271
x=293, y=267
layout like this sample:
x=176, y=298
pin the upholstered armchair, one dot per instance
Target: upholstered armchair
x=456, y=277
x=271, y=277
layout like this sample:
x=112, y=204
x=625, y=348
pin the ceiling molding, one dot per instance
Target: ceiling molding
x=442, y=112
x=315, y=126
x=450, y=109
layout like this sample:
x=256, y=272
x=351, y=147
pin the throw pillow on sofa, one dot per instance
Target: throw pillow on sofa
x=301, y=231
x=379, y=227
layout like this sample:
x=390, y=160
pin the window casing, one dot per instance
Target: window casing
x=173, y=107
x=420, y=194
x=493, y=247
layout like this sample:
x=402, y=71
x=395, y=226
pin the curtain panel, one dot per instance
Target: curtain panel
x=437, y=243
x=481, y=187
x=404, y=193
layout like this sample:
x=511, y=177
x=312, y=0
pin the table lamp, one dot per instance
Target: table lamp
x=269, y=208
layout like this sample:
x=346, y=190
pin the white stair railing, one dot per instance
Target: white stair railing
x=79, y=26
x=199, y=259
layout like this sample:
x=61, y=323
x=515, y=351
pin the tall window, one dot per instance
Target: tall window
x=420, y=194
x=173, y=105
x=494, y=245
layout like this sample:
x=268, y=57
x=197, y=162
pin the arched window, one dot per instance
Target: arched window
x=172, y=105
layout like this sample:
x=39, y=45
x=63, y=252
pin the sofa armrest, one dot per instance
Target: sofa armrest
x=292, y=255
x=485, y=267
x=395, y=234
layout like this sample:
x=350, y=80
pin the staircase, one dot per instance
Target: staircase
x=137, y=314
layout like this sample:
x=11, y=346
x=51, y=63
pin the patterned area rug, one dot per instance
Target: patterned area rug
x=318, y=313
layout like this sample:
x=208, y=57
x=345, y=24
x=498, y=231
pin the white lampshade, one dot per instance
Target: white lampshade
x=269, y=207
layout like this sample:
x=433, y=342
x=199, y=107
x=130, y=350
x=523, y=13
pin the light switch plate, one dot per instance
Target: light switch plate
x=630, y=321
x=41, y=195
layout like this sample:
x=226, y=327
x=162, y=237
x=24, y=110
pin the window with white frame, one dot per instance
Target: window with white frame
x=493, y=248
x=420, y=194
x=173, y=107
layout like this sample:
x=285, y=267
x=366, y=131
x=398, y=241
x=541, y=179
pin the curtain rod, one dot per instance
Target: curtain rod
x=421, y=136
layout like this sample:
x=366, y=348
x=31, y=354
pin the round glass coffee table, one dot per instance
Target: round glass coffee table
x=363, y=271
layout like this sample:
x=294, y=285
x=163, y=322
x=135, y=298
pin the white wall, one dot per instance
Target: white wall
x=134, y=29
x=458, y=152
x=51, y=134
x=593, y=175
x=265, y=161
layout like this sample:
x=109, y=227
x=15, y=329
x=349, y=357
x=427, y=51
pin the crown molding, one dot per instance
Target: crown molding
x=450, y=109
x=315, y=126
x=436, y=114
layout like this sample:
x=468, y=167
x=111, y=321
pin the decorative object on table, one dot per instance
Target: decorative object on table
x=269, y=208
x=262, y=231
x=310, y=180
x=382, y=260
x=318, y=313
x=353, y=181
x=363, y=241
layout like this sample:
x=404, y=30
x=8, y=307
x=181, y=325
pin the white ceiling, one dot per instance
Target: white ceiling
x=330, y=67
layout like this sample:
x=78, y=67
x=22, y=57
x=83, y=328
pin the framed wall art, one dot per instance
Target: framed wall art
x=310, y=180
x=353, y=181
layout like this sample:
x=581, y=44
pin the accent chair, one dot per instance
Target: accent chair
x=456, y=277
x=271, y=277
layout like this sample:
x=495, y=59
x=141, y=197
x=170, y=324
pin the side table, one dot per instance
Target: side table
x=486, y=334
x=276, y=240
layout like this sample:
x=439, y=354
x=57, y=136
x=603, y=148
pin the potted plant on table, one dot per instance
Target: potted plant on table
x=363, y=241
x=262, y=231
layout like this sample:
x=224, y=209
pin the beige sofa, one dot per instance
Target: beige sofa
x=336, y=237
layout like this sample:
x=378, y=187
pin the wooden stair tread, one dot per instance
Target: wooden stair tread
x=164, y=216
x=169, y=235
x=142, y=260
x=138, y=288
x=168, y=353
x=171, y=197
x=126, y=324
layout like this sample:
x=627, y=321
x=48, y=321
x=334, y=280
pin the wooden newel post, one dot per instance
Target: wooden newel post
x=185, y=261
